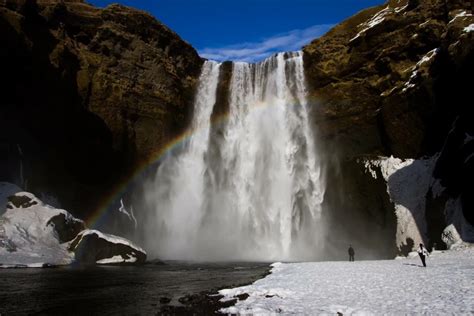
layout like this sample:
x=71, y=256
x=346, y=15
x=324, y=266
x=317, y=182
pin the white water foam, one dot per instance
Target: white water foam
x=250, y=189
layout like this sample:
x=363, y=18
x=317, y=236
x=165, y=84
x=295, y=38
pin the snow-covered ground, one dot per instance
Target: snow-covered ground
x=394, y=287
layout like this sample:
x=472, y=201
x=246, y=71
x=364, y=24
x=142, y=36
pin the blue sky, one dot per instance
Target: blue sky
x=247, y=30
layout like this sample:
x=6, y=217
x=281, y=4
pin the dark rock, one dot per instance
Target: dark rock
x=165, y=300
x=91, y=246
x=243, y=297
x=67, y=65
x=21, y=201
x=67, y=227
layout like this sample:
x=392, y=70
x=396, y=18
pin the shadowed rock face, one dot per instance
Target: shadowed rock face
x=89, y=248
x=87, y=95
x=66, y=228
x=392, y=80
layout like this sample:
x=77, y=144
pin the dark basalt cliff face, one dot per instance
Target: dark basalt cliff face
x=393, y=80
x=87, y=94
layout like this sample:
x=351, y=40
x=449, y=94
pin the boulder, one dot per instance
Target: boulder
x=28, y=235
x=34, y=234
x=94, y=247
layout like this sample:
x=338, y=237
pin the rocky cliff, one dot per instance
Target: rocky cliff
x=87, y=94
x=395, y=80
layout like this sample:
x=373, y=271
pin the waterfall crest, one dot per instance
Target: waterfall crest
x=250, y=189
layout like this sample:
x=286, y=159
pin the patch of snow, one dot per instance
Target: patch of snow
x=424, y=23
x=129, y=215
x=460, y=15
x=428, y=56
x=376, y=19
x=398, y=10
x=415, y=69
x=386, y=93
x=117, y=259
x=408, y=84
x=111, y=238
x=383, y=287
x=469, y=28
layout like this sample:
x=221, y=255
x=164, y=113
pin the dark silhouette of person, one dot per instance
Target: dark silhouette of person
x=423, y=253
x=351, y=253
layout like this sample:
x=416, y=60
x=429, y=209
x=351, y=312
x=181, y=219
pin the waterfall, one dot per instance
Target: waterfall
x=250, y=188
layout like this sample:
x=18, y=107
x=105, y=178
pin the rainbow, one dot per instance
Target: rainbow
x=99, y=215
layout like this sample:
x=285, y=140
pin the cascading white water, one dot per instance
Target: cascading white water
x=250, y=189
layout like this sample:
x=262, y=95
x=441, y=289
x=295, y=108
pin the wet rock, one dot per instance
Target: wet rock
x=21, y=201
x=243, y=297
x=165, y=300
x=91, y=247
x=67, y=227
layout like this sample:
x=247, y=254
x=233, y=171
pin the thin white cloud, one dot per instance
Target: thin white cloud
x=255, y=51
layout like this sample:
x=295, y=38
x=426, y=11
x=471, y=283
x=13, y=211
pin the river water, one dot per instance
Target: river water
x=115, y=290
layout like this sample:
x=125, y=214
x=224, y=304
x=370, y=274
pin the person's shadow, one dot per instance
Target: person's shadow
x=413, y=264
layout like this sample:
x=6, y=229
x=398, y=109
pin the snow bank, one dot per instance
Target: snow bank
x=385, y=287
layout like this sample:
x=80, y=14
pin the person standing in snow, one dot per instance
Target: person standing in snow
x=351, y=253
x=423, y=253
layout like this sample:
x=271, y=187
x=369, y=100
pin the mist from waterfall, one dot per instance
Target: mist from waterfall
x=250, y=188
